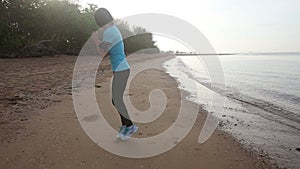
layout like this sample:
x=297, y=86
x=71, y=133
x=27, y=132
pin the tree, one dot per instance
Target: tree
x=26, y=22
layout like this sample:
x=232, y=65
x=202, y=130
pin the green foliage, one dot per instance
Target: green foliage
x=135, y=39
x=25, y=22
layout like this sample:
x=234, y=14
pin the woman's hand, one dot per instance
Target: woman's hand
x=101, y=47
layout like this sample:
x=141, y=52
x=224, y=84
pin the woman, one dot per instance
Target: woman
x=113, y=45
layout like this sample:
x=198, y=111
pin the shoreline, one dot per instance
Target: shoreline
x=52, y=137
x=250, y=117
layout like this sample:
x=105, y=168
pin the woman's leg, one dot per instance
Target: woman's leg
x=118, y=86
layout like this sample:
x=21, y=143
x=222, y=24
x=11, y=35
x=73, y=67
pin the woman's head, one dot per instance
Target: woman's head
x=102, y=17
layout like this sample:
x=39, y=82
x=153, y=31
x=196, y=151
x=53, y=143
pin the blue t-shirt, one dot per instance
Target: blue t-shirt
x=117, y=55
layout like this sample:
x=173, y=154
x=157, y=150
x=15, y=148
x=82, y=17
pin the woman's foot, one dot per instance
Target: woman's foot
x=121, y=131
x=128, y=132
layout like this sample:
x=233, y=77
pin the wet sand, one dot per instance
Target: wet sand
x=40, y=129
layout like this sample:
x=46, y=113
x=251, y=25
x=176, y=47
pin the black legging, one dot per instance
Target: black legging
x=118, y=86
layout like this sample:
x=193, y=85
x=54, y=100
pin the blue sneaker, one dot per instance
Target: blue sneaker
x=121, y=132
x=129, y=131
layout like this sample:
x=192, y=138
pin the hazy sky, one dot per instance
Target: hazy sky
x=229, y=25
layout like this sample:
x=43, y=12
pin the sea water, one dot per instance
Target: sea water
x=261, y=99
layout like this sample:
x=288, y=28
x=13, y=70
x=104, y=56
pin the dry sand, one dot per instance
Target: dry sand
x=39, y=127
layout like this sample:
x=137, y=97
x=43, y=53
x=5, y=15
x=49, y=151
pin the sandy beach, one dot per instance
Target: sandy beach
x=40, y=129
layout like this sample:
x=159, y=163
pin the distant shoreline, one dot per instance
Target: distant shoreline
x=14, y=56
x=249, y=53
x=203, y=54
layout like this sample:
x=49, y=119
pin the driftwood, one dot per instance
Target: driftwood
x=41, y=48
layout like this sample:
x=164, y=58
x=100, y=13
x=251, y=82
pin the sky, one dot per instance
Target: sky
x=229, y=25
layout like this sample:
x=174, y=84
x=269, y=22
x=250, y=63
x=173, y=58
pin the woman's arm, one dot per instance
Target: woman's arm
x=102, y=47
